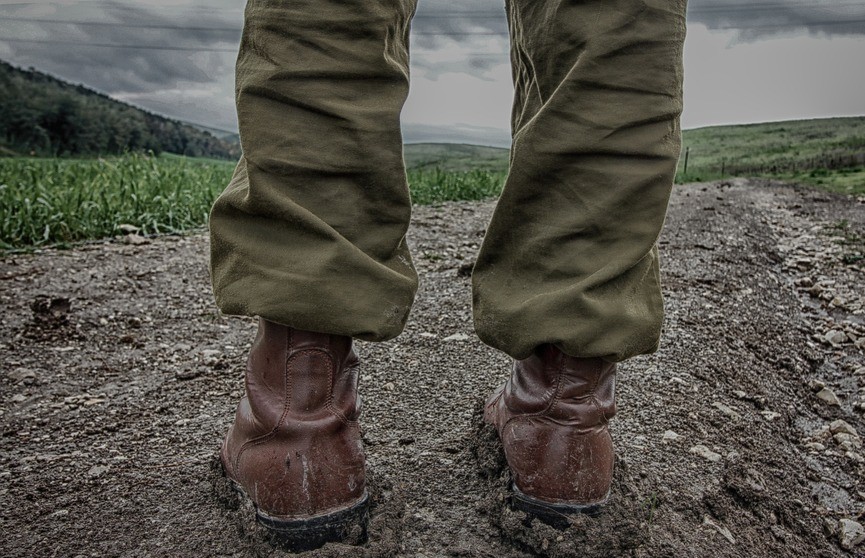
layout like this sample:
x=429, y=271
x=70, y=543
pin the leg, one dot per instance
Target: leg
x=567, y=279
x=310, y=236
x=310, y=232
x=570, y=255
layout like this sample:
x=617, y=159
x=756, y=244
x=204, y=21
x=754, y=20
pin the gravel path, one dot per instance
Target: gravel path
x=740, y=437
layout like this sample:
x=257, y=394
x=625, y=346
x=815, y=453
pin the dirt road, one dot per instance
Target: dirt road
x=740, y=437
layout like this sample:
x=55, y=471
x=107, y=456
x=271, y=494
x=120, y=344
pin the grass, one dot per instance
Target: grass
x=828, y=153
x=60, y=201
x=47, y=202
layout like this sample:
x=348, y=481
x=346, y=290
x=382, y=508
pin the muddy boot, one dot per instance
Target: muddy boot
x=551, y=416
x=295, y=446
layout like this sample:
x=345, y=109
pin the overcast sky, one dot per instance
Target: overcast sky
x=745, y=61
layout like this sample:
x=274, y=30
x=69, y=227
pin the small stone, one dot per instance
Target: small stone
x=94, y=401
x=815, y=446
x=706, y=453
x=828, y=396
x=841, y=426
x=835, y=337
x=720, y=528
x=770, y=415
x=850, y=533
x=860, y=371
x=732, y=413
x=184, y=375
x=670, y=436
x=135, y=239
x=18, y=398
x=126, y=228
x=97, y=471
x=389, y=386
x=181, y=422
x=428, y=335
x=21, y=374
x=456, y=337
x=816, y=385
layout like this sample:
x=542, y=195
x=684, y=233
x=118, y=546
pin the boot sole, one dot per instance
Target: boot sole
x=300, y=535
x=555, y=514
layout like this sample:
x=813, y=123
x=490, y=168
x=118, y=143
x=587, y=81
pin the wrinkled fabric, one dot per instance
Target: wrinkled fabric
x=310, y=232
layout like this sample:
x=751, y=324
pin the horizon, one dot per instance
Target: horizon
x=745, y=62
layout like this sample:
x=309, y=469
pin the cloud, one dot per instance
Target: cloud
x=763, y=18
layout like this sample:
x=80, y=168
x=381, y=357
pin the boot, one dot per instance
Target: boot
x=551, y=416
x=295, y=446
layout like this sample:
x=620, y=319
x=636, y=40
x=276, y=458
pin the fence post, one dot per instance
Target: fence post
x=687, y=151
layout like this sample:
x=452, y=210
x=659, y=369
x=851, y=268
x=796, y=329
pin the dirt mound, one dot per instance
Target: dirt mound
x=741, y=436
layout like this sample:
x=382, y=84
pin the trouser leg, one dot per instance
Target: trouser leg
x=310, y=232
x=570, y=256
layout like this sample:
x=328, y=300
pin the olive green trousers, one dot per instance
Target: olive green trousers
x=310, y=232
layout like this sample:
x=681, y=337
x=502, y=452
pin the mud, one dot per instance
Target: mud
x=119, y=379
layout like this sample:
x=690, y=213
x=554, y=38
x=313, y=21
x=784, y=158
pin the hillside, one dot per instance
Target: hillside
x=46, y=116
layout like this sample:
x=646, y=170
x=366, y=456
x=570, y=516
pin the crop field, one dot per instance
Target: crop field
x=62, y=201
x=46, y=202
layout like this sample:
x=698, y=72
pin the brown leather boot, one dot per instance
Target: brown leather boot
x=295, y=446
x=551, y=416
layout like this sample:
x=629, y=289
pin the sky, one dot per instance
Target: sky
x=745, y=60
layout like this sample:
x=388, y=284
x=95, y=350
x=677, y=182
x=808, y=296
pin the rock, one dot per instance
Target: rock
x=427, y=334
x=842, y=427
x=21, y=374
x=770, y=415
x=732, y=413
x=389, y=386
x=828, y=396
x=187, y=374
x=17, y=398
x=720, y=528
x=97, y=471
x=850, y=533
x=135, y=239
x=456, y=337
x=706, y=453
x=126, y=228
x=835, y=337
x=670, y=436
x=860, y=371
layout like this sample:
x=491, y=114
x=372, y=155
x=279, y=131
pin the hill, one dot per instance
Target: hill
x=824, y=152
x=46, y=116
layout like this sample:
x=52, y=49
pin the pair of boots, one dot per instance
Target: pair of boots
x=295, y=446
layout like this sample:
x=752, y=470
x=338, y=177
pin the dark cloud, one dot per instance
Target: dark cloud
x=761, y=18
x=70, y=40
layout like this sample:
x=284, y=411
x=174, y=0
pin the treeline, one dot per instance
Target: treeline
x=42, y=115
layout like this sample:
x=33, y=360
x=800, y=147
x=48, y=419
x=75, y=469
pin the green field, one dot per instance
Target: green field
x=63, y=201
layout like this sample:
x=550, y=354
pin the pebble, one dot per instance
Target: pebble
x=850, y=533
x=97, y=471
x=18, y=398
x=135, y=239
x=21, y=374
x=730, y=412
x=456, y=337
x=669, y=435
x=720, y=528
x=770, y=415
x=842, y=427
x=706, y=453
x=828, y=396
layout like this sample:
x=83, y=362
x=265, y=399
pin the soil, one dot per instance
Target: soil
x=119, y=378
